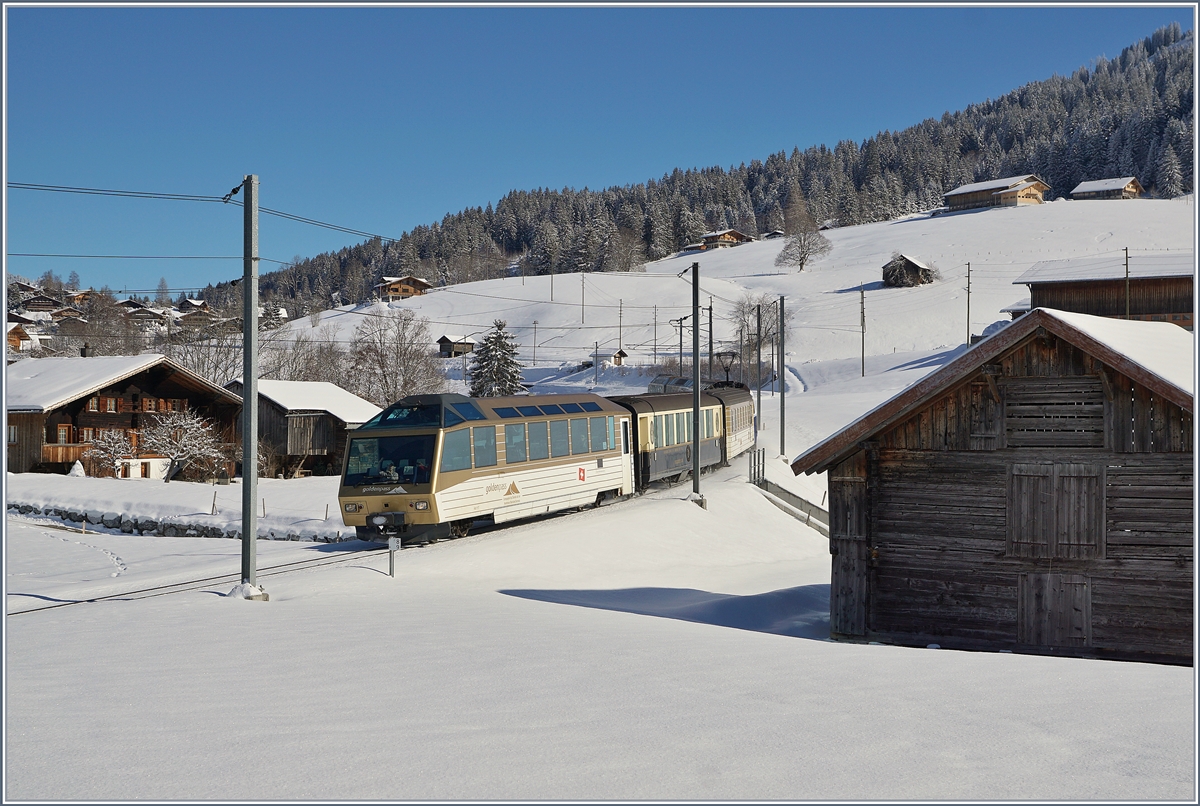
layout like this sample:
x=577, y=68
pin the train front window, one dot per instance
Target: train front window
x=389, y=460
x=402, y=415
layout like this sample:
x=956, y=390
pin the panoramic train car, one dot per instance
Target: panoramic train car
x=662, y=431
x=428, y=466
x=739, y=417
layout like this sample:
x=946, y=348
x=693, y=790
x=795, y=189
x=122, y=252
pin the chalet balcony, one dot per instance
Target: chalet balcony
x=69, y=452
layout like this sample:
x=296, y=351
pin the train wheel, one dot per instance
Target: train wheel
x=460, y=528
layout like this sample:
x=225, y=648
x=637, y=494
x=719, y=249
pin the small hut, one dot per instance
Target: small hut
x=1033, y=495
x=904, y=271
x=1126, y=187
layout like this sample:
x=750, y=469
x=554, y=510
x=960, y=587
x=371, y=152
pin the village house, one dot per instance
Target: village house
x=1126, y=187
x=305, y=422
x=393, y=288
x=58, y=406
x=1151, y=286
x=723, y=238
x=18, y=339
x=42, y=302
x=189, y=305
x=454, y=346
x=1032, y=495
x=1008, y=192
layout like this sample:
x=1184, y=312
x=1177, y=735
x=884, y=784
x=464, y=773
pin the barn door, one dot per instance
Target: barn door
x=848, y=589
x=1054, y=610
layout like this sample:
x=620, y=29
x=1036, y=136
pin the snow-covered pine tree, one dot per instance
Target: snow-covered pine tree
x=495, y=371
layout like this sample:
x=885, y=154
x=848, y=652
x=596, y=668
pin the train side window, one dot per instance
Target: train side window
x=560, y=444
x=514, y=443
x=456, y=450
x=658, y=431
x=668, y=430
x=530, y=411
x=625, y=437
x=484, y=438
x=612, y=443
x=539, y=445
x=579, y=435
x=571, y=408
x=590, y=406
x=599, y=428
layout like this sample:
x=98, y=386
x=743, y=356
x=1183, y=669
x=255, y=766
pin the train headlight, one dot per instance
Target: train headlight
x=421, y=505
x=379, y=520
x=352, y=507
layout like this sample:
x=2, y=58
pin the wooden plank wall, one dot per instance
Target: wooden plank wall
x=1107, y=297
x=31, y=434
x=930, y=557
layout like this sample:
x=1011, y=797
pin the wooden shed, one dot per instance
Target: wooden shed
x=453, y=346
x=305, y=422
x=1033, y=495
x=1125, y=187
x=1155, y=286
x=1007, y=192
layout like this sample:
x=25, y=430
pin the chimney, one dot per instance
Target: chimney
x=85, y=350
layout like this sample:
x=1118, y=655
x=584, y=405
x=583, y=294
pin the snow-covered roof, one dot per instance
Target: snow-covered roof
x=318, y=396
x=1098, y=185
x=1016, y=188
x=993, y=184
x=1110, y=267
x=1158, y=355
x=44, y=384
x=724, y=232
x=916, y=262
x=457, y=339
x=1019, y=306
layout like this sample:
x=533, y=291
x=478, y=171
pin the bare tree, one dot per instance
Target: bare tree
x=393, y=356
x=186, y=438
x=746, y=317
x=803, y=247
x=213, y=352
x=106, y=453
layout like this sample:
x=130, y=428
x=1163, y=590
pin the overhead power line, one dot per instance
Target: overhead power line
x=147, y=257
x=193, y=197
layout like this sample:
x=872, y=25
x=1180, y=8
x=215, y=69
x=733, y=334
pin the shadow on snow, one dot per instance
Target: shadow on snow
x=801, y=612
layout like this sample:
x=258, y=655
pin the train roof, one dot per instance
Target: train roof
x=450, y=409
x=652, y=402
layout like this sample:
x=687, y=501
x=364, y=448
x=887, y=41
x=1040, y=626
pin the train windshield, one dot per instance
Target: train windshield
x=390, y=460
x=403, y=415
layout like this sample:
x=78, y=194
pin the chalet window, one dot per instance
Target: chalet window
x=93, y=404
x=12, y=435
x=1056, y=511
x=64, y=434
x=149, y=404
x=87, y=435
x=110, y=404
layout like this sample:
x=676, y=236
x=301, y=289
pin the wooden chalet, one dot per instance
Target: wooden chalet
x=22, y=287
x=131, y=304
x=723, y=238
x=305, y=422
x=78, y=298
x=454, y=346
x=147, y=319
x=18, y=339
x=1008, y=192
x=1155, y=287
x=1033, y=495
x=773, y=234
x=42, y=302
x=1126, y=187
x=57, y=406
x=393, y=288
x=19, y=319
x=189, y=305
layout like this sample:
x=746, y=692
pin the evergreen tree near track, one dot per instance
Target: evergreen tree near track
x=495, y=371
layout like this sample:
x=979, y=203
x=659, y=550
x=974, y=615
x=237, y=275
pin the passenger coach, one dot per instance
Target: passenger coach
x=429, y=465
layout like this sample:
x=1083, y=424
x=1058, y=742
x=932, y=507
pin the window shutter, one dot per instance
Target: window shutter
x=1080, y=520
x=1030, y=510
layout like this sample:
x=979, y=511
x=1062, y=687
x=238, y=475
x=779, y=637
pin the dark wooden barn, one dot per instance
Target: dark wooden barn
x=1155, y=287
x=58, y=406
x=1033, y=495
x=305, y=423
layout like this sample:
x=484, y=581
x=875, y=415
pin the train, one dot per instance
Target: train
x=428, y=467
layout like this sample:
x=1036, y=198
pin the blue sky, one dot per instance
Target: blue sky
x=382, y=119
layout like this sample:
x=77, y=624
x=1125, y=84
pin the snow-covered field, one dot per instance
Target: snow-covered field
x=647, y=650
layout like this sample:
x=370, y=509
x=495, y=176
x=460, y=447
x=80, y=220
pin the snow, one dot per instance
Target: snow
x=319, y=396
x=1111, y=267
x=1025, y=180
x=1165, y=349
x=1097, y=185
x=648, y=650
x=42, y=384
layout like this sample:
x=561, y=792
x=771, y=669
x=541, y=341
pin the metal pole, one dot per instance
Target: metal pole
x=620, y=325
x=710, y=372
x=758, y=370
x=249, y=377
x=656, y=335
x=968, y=304
x=596, y=365
x=862, y=322
x=582, y=307
x=535, y=323
x=741, y=354
x=782, y=371
x=1127, y=282
x=681, y=345
x=696, y=380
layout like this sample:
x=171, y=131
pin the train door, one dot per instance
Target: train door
x=626, y=458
